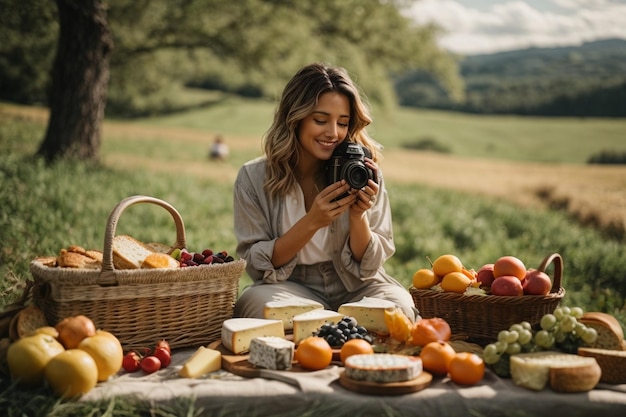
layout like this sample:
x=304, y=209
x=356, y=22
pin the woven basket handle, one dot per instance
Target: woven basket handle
x=107, y=275
x=557, y=259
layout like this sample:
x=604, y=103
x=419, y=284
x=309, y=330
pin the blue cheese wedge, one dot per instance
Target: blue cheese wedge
x=369, y=313
x=285, y=310
x=271, y=352
x=237, y=333
x=382, y=367
x=305, y=324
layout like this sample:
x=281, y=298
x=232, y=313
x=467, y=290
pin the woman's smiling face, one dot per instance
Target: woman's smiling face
x=320, y=132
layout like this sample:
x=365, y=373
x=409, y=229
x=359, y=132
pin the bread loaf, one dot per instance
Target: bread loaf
x=128, y=252
x=612, y=363
x=610, y=332
x=26, y=321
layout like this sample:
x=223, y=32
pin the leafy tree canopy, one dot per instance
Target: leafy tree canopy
x=247, y=45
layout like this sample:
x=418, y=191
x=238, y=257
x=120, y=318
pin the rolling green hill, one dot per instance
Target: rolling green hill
x=587, y=80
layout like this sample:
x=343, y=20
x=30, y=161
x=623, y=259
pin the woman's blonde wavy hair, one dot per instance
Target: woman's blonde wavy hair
x=299, y=99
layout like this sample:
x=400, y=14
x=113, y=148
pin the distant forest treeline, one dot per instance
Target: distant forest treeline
x=588, y=80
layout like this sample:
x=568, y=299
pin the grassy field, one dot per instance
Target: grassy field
x=479, y=201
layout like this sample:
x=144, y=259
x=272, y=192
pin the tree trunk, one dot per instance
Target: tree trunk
x=80, y=79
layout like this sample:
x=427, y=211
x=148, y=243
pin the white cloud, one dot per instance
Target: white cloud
x=517, y=24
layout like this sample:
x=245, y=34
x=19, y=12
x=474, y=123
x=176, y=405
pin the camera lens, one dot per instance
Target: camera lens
x=356, y=175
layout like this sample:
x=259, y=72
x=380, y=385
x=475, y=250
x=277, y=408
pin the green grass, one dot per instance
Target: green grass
x=539, y=139
x=46, y=208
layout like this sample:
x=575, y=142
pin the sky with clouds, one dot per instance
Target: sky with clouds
x=486, y=26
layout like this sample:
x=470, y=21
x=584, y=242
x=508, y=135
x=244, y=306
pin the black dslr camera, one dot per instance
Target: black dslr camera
x=347, y=163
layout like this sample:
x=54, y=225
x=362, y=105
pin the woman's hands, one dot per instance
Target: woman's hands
x=327, y=206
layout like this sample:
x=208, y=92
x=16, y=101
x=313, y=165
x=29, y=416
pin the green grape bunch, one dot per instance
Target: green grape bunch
x=559, y=331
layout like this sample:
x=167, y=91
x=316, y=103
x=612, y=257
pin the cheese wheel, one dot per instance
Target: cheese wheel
x=382, y=367
x=575, y=377
x=533, y=371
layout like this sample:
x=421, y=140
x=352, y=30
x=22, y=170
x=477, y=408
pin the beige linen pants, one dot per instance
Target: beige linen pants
x=319, y=282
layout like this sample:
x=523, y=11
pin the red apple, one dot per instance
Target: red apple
x=507, y=285
x=509, y=265
x=537, y=283
x=485, y=275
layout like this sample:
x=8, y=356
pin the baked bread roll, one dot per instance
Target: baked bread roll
x=159, y=260
x=77, y=257
x=610, y=332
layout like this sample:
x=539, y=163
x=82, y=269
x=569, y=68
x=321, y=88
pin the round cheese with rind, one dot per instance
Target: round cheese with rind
x=382, y=367
x=533, y=370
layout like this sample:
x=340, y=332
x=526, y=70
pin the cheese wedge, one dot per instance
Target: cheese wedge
x=271, y=352
x=369, y=313
x=203, y=361
x=383, y=367
x=285, y=310
x=565, y=372
x=305, y=324
x=237, y=333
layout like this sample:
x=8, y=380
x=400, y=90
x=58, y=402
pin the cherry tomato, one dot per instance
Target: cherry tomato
x=150, y=364
x=164, y=356
x=131, y=362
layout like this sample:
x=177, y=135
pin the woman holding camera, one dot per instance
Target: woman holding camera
x=303, y=230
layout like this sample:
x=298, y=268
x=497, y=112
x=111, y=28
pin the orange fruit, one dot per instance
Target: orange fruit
x=509, y=265
x=446, y=264
x=466, y=368
x=436, y=357
x=355, y=347
x=71, y=373
x=106, y=351
x=455, y=282
x=434, y=329
x=72, y=330
x=425, y=278
x=398, y=324
x=314, y=353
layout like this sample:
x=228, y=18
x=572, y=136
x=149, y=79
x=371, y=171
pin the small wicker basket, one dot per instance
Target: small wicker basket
x=480, y=318
x=184, y=306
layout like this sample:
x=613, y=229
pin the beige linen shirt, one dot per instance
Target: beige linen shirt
x=258, y=224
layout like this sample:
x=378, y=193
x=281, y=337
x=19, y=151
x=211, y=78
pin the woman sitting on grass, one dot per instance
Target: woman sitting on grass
x=301, y=236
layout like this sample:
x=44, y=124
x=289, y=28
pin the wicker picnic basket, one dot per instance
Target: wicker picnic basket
x=480, y=318
x=185, y=306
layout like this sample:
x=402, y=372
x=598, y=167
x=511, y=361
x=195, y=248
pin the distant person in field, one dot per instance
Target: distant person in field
x=219, y=149
x=302, y=235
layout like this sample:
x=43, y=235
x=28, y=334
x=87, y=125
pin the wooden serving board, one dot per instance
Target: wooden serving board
x=389, y=388
x=239, y=364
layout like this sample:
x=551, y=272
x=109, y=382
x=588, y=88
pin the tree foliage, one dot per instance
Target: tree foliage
x=250, y=46
x=156, y=46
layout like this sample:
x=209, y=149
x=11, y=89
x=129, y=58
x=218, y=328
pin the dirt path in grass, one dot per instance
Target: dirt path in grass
x=594, y=194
